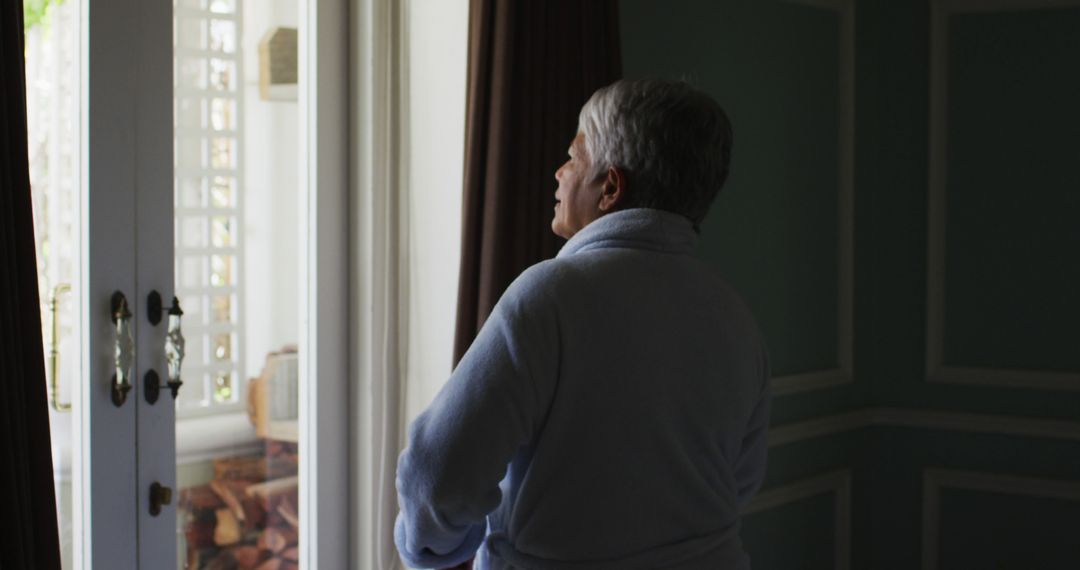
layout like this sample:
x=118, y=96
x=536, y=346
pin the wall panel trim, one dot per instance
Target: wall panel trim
x=843, y=374
x=1016, y=426
x=837, y=483
x=935, y=479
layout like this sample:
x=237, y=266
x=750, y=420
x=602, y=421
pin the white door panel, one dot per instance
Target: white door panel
x=153, y=114
x=106, y=473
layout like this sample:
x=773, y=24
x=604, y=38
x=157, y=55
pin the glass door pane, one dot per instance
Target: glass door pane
x=52, y=94
x=239, y=243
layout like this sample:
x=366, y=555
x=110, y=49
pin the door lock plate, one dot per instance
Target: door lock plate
x=159, y=495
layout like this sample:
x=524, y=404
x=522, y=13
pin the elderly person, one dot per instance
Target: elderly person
x=612, y=411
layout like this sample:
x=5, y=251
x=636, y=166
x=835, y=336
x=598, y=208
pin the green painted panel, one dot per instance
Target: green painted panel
x=773, y=230
x=1013, y=191
x=777, y=540
x=891, y=157
x=892, y=117
x=798, y=535
x=1006, y=531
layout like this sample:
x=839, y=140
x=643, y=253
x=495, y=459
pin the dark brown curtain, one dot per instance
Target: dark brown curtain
x=28, y=530
x=532, y=65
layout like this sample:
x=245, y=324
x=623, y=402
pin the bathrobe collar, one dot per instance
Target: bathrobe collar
x=635, y=228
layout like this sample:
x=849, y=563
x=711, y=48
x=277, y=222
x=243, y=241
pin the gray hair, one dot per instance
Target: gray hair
x=672, y=141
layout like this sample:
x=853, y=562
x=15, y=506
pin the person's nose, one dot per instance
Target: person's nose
x=561, y=172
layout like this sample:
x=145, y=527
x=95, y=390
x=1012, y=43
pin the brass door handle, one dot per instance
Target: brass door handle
x=54, y=349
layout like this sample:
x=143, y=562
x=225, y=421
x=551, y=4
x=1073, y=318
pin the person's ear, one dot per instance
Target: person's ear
x=613, y=191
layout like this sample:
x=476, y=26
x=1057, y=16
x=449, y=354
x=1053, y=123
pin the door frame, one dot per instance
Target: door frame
x=325, y=448
x=126, y=138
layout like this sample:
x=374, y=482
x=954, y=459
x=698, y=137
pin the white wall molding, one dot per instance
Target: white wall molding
x=1016, y=426
x=1008, y=378
x=212, y=437
x=936, y=370
x=795, y=432
x=843, y=373
x=816, y=380
x=978, y=423
x=837, y=483
x=972, y=6
x=935, y=480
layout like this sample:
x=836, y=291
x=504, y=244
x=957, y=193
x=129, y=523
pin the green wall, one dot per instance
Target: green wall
x=1011, y=195
x=1010, y=241
x=1008, y=302
x=774, y=231
x=1013, y=190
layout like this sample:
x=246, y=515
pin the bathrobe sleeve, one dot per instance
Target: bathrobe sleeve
x=458, y=449
x=753, y=455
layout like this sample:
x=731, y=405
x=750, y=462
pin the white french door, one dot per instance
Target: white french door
x=206, y=173
x=104, y=477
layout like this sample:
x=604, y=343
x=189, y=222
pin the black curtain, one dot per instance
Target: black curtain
x=28, y=531
x=532, y=65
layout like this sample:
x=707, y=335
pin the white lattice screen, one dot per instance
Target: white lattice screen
x=209, y=245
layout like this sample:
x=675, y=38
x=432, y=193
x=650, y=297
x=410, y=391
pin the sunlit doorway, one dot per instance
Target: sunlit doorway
x=53, y=105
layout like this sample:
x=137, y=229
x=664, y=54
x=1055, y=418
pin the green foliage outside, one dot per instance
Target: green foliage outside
x=35, y=11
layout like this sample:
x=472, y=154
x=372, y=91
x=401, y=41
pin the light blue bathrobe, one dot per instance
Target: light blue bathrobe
x=611, y=413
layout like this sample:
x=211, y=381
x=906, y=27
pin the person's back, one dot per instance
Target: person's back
x=661, y=369
x=612, y=411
